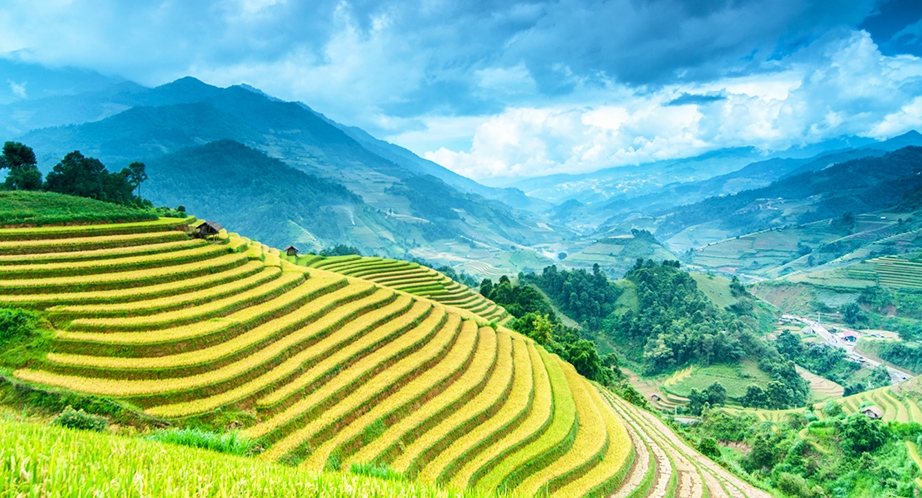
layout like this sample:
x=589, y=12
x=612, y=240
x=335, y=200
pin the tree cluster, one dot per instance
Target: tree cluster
x=75, y=175
x=535, y=318
x=586, y=297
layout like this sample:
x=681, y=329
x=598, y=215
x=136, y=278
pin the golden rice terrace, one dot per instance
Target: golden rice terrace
x=337, y=361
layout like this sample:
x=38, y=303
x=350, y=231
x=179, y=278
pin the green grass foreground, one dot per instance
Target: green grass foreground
x=22, y=208
x=37, y=460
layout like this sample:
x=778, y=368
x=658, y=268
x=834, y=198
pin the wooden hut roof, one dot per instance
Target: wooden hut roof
x=212, y=226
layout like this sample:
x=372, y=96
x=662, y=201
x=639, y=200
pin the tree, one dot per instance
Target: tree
x=755, y=397
x=716, y=394
x=861, y=434
x=24, y=174
x=136, y=175
x=778, y=395
x=851, y=313
x=87, y=177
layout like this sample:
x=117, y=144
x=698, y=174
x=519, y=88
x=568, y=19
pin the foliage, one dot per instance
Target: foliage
x=715, y=395
x=534, y=316
x=47, y=208
x=821, y=359
x=586, y=297
x=340, y=250
x=232, y=442
x=24, y=174
x=16, y=323
x=862, y=434
x=79, y=419
x=88, y=177
x=902, y=354
x=31, y=457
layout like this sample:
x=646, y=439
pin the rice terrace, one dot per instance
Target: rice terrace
x=333, y=248
x=329, y=363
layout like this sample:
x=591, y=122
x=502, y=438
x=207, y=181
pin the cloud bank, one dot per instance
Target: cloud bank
x=498, y=89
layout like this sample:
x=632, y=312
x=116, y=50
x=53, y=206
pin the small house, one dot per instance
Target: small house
x=209, y=229
x=872, y=412
x=291, y=251
x=849, y=336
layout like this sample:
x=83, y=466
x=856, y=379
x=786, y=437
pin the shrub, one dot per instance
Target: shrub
x=708, y=447
x=232, y=443
x=79, y=419
x=16, y=323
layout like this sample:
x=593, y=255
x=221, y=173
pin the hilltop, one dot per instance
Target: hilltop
x=406, y=202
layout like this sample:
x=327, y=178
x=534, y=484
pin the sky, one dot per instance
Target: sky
x=499, y=90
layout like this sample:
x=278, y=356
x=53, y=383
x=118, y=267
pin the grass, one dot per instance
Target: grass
x=532, y=427
x=23, y=208
x=734, y=378
x=232, y=443
x=137, y=294
x=38, y=460
x=120, y=280
x=362, y=337
x=214, y=308
x=179, y=300
x=96, y=266
x=591, y=439
x=414, y=279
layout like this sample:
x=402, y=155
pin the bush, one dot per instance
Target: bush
x=232, y=443
x=81, y=420
x=708, y=447
x=16, y=323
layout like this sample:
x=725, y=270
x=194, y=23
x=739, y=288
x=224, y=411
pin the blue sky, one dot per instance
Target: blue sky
x=500, y=90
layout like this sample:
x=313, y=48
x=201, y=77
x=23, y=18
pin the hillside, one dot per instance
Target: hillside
x=857, y=186
x=300, y=357
x=152, y=125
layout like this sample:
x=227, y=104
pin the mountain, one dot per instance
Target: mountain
x=632, y=181
x=403, y=157
x=856, y=186
x=189, y=113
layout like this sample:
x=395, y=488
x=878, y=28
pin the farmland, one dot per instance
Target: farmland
x=342, y=360
x=899, y=403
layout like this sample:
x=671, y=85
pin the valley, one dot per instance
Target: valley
x=447, y=337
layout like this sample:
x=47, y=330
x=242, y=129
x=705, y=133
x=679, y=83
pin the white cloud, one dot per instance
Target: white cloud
x=18, y=89
x=840, y=85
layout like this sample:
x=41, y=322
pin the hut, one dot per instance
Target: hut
x=655, y=397
x=291, y=251
x=209, y=229
x=872, y=412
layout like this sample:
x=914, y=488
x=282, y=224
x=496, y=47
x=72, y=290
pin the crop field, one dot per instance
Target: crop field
x=735, y=379
x=347, y=361
x=901, y=403
x=414, y=279
x=39, y=460
x=663, y=465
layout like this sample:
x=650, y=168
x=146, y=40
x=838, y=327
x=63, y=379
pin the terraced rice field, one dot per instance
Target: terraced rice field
x=900, y=403
x=665, y=466
x=897, y=272
x=412, y=278
x=339, y=367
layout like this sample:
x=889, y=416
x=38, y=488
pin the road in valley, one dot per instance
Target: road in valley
x=896, y=375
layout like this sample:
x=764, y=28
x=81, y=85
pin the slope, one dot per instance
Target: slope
x=327, y=365
x=188, y=113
